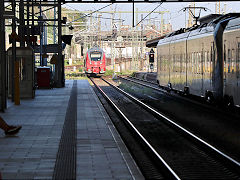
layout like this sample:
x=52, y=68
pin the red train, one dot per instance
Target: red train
x=95, y=62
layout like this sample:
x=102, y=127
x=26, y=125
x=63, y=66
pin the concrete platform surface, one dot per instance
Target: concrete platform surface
x=31, y=154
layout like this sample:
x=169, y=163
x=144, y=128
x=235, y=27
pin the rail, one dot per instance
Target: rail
x=170, y=172
x=233, y=163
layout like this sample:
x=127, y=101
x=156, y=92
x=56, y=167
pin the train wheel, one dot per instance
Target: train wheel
x=228, y=101
x=169, y=87
x=186, y=90
x=209, y=97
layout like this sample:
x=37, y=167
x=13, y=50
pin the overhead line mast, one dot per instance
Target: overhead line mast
x=218, y=8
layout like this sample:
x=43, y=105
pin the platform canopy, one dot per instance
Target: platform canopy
x=114, y=1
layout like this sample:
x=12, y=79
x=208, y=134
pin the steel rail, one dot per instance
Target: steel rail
x=230, y=160
x=172, y=174
x=152, y=82
x=161, y=89
x=158, y=89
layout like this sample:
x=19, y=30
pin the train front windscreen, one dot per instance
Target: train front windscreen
x=96, y=56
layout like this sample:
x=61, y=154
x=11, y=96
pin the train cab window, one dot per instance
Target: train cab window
x=96, y=56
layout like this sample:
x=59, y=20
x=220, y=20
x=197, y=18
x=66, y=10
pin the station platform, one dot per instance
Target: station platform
x=34, y=151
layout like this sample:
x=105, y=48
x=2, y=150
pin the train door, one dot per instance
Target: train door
x=229, y=82
x=230, y=76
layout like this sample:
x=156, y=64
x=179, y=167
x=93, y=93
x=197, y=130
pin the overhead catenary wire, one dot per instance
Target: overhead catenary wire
x=108, y=18
x=94, y=16
x=148, y=14
x=91, y=13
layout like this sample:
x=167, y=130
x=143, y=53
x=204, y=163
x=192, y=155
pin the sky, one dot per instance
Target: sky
x=176, y=16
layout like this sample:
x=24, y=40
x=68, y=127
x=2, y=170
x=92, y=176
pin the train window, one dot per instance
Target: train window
x=205, y=62
x=193, y=62
x=238, y=60
x=196, y=63
x=229, y=60
x=96, y=56
x=189, y=64
x=175, y=61
x=208, y=62
x=224, y=61
x=179, y=63
x=224, y=53
x=199, y=63
x=211, y=54
x=182, y=58
x=172, y=65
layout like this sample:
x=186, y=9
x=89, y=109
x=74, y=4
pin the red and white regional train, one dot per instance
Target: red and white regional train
x=95, y=62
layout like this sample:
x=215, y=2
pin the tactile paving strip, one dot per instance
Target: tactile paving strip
x=65, y=166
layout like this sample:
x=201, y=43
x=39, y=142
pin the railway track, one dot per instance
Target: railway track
x=218, y=126
x=179, y=153
x=180, y=94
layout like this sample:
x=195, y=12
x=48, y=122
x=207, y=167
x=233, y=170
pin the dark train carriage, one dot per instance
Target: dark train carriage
x=203, y=60
x=231, y=57
x=95, y=62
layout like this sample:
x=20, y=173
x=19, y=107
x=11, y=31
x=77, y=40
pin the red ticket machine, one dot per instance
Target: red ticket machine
x=43, y=77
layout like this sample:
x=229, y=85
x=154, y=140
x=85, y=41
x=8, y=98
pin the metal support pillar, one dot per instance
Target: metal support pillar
x=41, y=33
x=44, y=39
x=28, y=21
x=161, y=24
x=14, y=56
x=54, y=42
x=141, y=44
x=136, y=43
x=133, y=15
x=60, y=65
x=22, y=23
x=112, y=41
x=2, y=60
x=32, y=19
x=132, y=65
